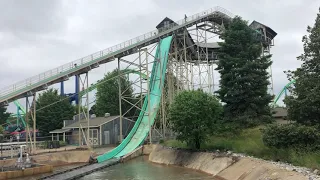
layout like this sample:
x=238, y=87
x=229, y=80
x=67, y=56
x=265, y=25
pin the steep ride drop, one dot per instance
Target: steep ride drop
x=141, y=128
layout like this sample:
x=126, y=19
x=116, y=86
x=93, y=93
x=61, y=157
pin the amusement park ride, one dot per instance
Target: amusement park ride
x=183, y=53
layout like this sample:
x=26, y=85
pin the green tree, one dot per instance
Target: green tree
x=304, y=102
x=53, y=109
x=244, y=77
x=82, y=109
x=4, y=115
x=108, y=95
x=193, y=115
x=1, y=129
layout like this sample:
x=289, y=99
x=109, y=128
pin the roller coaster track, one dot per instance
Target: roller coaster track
x=283, y=91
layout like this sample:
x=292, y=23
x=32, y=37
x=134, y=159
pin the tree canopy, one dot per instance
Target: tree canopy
x=193, y=115
x=108, y=95
x=51, y=117
x=244, y=77
x=304, y=102
x=4, y=115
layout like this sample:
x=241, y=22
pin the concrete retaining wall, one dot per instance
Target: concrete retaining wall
x=137, y=152
x=26, y=172
x=252, y=169
x=147, y=149
x=202, y=161
x=62, y=158
x=222, y=166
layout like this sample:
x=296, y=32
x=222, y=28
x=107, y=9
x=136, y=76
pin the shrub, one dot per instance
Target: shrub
x=193, y=115
x=62, y=143
x=291, y=136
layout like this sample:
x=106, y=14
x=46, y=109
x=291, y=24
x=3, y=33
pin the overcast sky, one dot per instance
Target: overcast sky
x=38, y=35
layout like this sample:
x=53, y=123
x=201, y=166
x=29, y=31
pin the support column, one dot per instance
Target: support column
x=163, y=105
x=27, y=122
x=87, y=99
x=209, y=79
x=185, y=59
x=140, y=69
x=64, y=137
x=120, y=108
x=162, y=94
x=176, y=63
x=100, y=134
x=34, y=124
x=79, y=108
x=199, y=62
x=192, y=83
x=148, y=94
x=169, y=81
x=207, y=59
x=212, y=71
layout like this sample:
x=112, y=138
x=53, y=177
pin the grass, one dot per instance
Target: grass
x=250, y=142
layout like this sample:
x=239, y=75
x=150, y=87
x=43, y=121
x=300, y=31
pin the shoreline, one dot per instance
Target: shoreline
x=242, y=166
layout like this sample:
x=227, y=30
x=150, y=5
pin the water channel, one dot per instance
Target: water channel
x=141, y=169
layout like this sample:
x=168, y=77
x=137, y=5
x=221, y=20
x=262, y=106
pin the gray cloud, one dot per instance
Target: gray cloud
x=40, y=35
x=35, y=16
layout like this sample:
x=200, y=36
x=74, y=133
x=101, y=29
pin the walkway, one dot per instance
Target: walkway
x=82, y=170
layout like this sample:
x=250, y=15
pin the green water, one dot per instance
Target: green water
x=141, y=169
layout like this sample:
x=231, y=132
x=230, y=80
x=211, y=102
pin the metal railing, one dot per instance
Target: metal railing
x=95, y=57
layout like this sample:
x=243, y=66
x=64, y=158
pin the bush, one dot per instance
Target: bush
x=62, y=143
x=193, y=115
x=1, y=129
x=291, y=136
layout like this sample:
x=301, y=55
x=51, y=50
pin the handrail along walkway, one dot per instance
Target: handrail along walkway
x=8, y=93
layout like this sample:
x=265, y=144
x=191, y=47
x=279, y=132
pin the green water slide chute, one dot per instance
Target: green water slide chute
x=141, y=127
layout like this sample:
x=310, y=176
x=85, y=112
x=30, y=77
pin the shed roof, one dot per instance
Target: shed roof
x=94, y=122
x=57, y=131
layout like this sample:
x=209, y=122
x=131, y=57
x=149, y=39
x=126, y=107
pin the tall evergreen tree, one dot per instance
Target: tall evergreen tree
x=244, y=77
x=304, y=102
